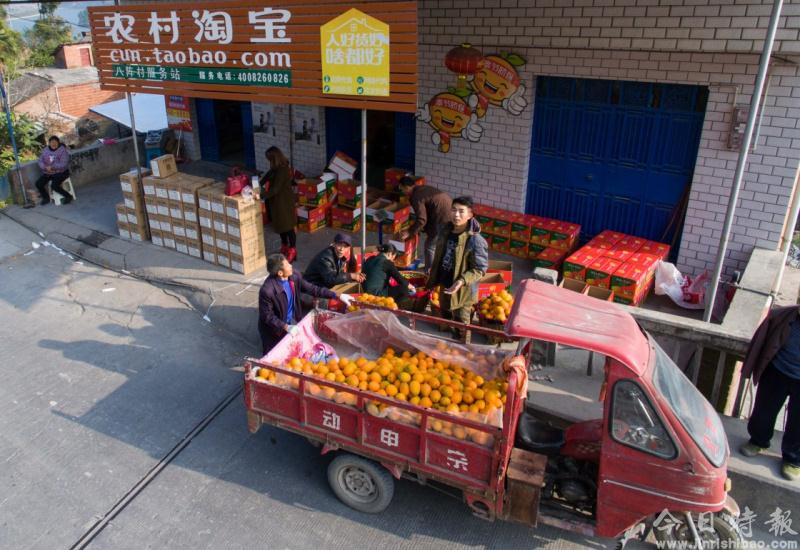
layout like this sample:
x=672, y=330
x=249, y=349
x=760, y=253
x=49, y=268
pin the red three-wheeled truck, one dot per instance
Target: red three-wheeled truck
x=654, y=462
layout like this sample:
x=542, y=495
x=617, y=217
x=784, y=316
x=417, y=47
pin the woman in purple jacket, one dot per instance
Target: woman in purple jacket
x=54, y=163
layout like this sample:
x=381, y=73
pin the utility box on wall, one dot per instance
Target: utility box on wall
x=738, y=124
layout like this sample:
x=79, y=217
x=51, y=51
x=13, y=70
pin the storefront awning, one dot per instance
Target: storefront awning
x=149, y=110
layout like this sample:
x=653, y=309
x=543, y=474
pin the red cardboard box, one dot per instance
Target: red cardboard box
x=534, y=249
x=624, y=248
x=608, y=237
x=518, y=248
x=392, y=177
x=342, y=165
x=598, y=273
x=521, y=225
x=481, y=213
x=490, y=283
x=632, y=280
x=404, y=246
x=345, y=215
x=652, y=248
x=311, y=187
x=311, y=214
x=540, y=231
x=501, y=222
x=575, y=266
x=504, y=269
x=500, y=244
x=550, y=258
x=563, y=235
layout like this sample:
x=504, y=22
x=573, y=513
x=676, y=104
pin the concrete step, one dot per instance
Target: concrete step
x=757, y=481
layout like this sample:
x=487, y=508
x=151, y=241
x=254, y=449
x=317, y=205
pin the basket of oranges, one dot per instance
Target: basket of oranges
x=380, y=301
x=493, y=312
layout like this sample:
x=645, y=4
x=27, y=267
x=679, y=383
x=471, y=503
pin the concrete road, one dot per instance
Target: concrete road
x=103, y=376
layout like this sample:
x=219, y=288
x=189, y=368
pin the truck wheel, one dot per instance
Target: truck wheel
x=723, y=528
x=360, y=483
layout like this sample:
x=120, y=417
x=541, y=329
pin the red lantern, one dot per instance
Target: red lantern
x=463, y=60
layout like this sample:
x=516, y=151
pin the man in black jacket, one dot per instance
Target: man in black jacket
x=279, y=306
x=327, y=267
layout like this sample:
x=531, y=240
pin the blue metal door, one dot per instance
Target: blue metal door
x=343, y=131
x=613, y=155
x=247, y=135
x=405, y=140
x=207, y=127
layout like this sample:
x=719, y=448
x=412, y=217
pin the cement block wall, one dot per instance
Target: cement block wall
x=86, y=165
x=575, y=39
x=308, y=156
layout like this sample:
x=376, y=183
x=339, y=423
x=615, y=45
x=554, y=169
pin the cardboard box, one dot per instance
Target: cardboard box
x=224, y=258
x=129, y=181
x=598, y=273
x=239, y=209
x=392, y=177
x=195, y=250
x=600, y=293
x=500, y=244
x=181, y=245
x=632, y=280
x=122, y=212
x=134, y=201
x=490, y=283
x=534, y=249
x=405, y=260
x=563, y=235
x=518, y=248
x=607, y=239
x=211, y=198
x=540, y=231
x=404, y=246
x=175, y=210
x=521, y=225
x=191, y=186
x=502, y=268
x=208, y=238
x=655, y=249
x=343, y=166
x=348, y=193
x=344, y=288
x=247, y=246
x=482, y=214
x=189, y=212
x=345, y=215
x=246, y=230
x=166, y=225
x=573, y=285
x=575, y=265
x=624, y=248
x=204, y=219
x=501, y=222
x=320, y=200
x=162, y=206
x=163, y=166
x=247, y=265
x=221, y=243
x=369, y=252
x=150, y=207
x=311, y=187
x=178, y=228
x=192, y=230
x=169, y=240
x=379, y=205
x=550, y=258
x=135, y=217
x=210, y=254
x=155, y=236
x=124, y=230
x=219, y=223
x=310, y=227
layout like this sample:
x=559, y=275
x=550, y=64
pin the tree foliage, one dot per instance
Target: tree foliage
x=25, y=133
x=11, y=46
x=47, y=34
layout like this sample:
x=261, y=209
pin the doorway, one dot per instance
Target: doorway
x=391, y=139
x=226, y=131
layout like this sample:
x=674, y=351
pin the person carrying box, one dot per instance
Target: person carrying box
x=432, y=210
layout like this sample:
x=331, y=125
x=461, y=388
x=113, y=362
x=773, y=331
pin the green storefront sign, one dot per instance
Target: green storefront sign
x=281, y=78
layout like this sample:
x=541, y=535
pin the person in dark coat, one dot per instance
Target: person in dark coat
x=461, y=259
x=432, y=211
x=279, y=301
x=773, y=360
x=279, y=198
x=379, y=269
x=327, y=268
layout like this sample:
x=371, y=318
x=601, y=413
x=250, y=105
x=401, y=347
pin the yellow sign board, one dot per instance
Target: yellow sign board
x=355, y=55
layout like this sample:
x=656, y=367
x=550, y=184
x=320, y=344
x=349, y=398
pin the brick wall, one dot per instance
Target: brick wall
x=39, y=105
x=306, y=156
x=501, y=157
x=69, y=56
x=76, y=100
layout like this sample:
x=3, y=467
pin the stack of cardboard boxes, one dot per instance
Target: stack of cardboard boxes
x=346, y=214
x=621, y=263
x=315, y=196
x=171, y=203
x=131, y=212
x=231, y=229
x=545, y=241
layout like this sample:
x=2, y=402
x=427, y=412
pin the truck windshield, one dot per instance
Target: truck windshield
x=693, y=411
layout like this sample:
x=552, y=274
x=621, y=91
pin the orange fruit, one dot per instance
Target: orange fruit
x=391, y=390
x=373, y=386
x=435, y=396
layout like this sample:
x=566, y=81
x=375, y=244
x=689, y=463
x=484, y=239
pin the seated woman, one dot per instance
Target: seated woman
x=54, y=164
x=379, y=269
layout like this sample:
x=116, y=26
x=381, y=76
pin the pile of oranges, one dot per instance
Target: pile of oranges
x=435, y=296
x=496, y=306
x=382, y=301
x=417, y=378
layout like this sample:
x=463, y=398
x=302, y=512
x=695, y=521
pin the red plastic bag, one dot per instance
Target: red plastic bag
x=236, y=182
